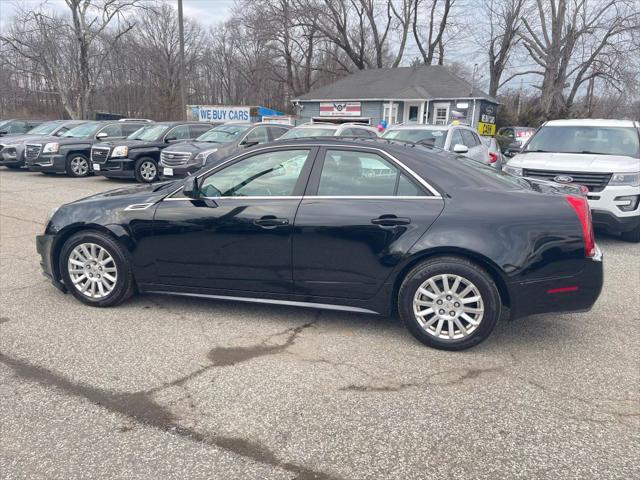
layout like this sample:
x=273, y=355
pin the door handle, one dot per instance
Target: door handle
x=390, y=221
x=271, y=221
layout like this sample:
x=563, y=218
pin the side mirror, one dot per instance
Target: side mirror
x=459, y=148
x=191, y=188
x=3, y=132
x=171, y=139
x=249, y=143
x=102, y=135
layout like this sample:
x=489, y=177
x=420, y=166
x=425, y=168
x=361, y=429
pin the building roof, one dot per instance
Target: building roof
x=427, y=82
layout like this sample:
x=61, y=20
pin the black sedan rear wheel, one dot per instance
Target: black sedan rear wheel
x=96, y=269
x=449, y=303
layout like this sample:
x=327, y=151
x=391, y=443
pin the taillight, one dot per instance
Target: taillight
x=493, y=157
x=581, y=207
x=521, y=134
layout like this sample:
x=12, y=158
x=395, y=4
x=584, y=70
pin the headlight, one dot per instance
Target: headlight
x=51, y=148
x=626, y=179
x=517, y=171
x=121, y=151
x=202, y=156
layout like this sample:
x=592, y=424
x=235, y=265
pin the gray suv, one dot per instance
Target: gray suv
x=185, y=158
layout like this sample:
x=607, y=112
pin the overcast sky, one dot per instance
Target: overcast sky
x=207, y=12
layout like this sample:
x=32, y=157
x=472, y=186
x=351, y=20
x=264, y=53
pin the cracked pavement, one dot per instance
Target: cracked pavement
x=166, y=387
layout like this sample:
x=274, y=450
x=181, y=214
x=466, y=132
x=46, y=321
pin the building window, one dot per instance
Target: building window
x=390, y=117
x=441, y=115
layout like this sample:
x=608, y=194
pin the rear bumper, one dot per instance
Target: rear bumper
x=44, y=247
x=572, y=293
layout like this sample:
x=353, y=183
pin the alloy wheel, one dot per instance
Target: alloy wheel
x=148, y=171
x=92, y=270
x=79, y=166
x=448, y=307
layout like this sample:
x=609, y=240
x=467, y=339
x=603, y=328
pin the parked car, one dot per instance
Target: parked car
x=139, y=154
x=456, y=138
x=602, y=155
x=512, y=139
x=70, y=153
x=496, y=158
x=320, y=129
x=12, y=146
x=354, y=225
x=185, y=158
x=16, y=126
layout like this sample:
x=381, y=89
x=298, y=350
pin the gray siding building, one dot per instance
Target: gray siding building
x=424, y=94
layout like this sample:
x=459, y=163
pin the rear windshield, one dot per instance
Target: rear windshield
x=309, y=132
x=587, y=140
x=435, y=137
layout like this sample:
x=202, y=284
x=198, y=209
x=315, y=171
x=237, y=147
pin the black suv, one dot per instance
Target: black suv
x=16, y=126
x=138, y=156
x=12, y=146
x=187, y=157
x=70, y=153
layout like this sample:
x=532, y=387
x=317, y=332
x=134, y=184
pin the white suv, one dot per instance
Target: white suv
x=455, y=138
x=603, y=155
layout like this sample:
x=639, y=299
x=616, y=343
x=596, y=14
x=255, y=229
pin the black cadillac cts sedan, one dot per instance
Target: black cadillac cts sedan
x=370, y=226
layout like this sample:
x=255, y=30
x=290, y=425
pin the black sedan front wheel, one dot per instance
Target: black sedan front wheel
x=78, y=165
x=449, y=303
x=95, y=269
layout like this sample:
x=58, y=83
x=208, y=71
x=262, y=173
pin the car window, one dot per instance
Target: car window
x=85, y=130
x=61, y=132
x=44, y=128
x=361, y=132
x=129, y=128
x=180, y=132
x=277, y=132
x=197, y=130
x=435, y=137
x=263, y=175
x=17, y=126
x=223, y=134
x=309, y=132
x=353, y=173
x=112, y=130
x=469, y=138
x=456, y=138
x=507, y=132
x=258, y=134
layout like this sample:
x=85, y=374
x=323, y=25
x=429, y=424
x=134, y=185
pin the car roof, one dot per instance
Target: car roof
x=591, y=122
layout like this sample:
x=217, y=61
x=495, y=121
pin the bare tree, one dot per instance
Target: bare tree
x=431, y=43
x=574, y=41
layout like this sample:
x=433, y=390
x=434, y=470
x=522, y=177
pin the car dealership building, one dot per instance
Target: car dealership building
x=423, y=94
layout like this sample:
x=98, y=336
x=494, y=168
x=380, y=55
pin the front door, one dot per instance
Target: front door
x=413, y=112
x=360, y=213
x=237, y=235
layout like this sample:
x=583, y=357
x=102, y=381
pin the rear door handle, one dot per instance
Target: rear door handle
x=271, y=221
x=390, y=221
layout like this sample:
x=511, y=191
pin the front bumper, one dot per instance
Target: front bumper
x=181, y=171
x=44, y=247
x=47, y=162
x=572, y=293
x=606, y=213
x=11, y=156
x=116, y=168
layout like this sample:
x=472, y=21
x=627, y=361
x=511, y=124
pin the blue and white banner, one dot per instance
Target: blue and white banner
x=220, y=113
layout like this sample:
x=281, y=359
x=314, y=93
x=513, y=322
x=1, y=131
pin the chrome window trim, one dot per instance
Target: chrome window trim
x=307, y=197
x=435, y=194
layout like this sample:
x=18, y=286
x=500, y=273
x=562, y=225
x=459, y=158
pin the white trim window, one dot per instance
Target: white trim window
x=441, y=113
x=390, y=113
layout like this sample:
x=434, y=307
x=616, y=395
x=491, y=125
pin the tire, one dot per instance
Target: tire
x=146, y=170
x=632, y=236
x=433, y=329
x=115, y=264
x=78, y=165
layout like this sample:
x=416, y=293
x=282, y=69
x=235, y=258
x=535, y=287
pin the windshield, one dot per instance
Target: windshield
x=4, y=122
x=222, y=134
x=149, y=133
x=44, y=129
x=309, y=132
x=586, y=139
x=435, y=137
x=82, y=131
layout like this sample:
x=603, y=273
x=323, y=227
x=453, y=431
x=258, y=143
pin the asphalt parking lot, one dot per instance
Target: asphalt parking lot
x=166, y=387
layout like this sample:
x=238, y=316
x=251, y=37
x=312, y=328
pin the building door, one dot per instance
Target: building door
x=441, y=113
x=413, y=112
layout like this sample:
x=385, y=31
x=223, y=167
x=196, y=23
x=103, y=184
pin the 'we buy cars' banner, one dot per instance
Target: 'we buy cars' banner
x=221, y=113
x=340, y=109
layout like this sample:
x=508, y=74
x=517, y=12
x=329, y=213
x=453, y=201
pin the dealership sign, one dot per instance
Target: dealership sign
x=221, y=113
x=340, y=109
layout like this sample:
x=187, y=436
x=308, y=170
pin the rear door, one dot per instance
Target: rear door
x=361, y=213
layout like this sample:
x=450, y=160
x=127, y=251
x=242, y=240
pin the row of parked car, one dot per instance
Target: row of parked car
x=146, y=151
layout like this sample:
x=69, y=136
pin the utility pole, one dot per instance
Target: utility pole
x=181, y=76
